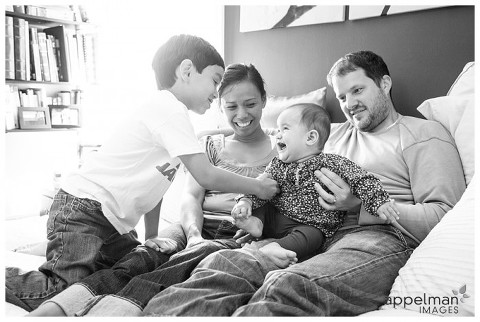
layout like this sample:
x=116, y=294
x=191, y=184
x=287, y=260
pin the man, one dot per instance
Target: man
x=419, y=166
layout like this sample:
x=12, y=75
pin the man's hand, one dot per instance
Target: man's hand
x=342, y=198
x=242, y=209
x=164, y=245
x=269, y=187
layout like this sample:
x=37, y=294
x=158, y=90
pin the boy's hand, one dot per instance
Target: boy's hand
x=389, y=212
x=164, y=245
x=269, y=187
x=242, y=209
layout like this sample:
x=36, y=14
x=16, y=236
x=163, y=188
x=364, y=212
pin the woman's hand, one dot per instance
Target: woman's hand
x=342, y=198
x=194, y=240
x=164, y=245
x=242, y=237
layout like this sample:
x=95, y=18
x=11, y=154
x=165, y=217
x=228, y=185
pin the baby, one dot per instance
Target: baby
x=294, y=217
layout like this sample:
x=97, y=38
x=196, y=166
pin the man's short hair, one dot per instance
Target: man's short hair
x=373, y=65
x=169, y=56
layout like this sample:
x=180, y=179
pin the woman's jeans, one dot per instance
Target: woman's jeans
x=144, y=272
x=80, y=241
x=353, y=275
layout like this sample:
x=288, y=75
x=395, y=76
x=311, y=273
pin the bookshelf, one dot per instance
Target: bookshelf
x=49, y=51
x=43, y=114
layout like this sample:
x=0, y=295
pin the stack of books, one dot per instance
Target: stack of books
x=55, y=54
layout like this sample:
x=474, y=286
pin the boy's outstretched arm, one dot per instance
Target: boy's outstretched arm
x=213, y=178
x=191, y=213
x=151, y=220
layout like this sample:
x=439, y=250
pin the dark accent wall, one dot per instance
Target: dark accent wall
x=424, y=50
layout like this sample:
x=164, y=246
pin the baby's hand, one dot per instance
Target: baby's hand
x=389, y=212
x=242, y=209
x=164, y=245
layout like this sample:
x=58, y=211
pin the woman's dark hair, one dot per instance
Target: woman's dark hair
x=236, y=73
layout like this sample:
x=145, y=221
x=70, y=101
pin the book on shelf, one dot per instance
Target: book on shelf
x=26, y=39
x=63, y=52
x=9, y=49
x=89, y=57
x=36, y=69
x=76, y=57
x=59, y=12
x=18, y=9
x=42, y=44
x=52, y=64
x=19, y=48
x=12, y=102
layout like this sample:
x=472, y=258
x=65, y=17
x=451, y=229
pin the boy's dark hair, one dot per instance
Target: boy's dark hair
x=315, y=117
x=175, y=50
x=236, y=73
x=373, y=65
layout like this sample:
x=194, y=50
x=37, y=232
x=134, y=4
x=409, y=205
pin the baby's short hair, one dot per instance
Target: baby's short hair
x=315, y=117
x=175, y=50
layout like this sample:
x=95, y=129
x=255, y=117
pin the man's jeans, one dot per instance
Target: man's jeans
x=353, y=275
x=80, y=241
x=143, y=273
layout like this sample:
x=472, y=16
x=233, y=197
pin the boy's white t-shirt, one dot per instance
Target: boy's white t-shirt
x=134, y=168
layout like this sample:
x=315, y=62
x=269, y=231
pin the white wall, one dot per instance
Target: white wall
x=128, y=37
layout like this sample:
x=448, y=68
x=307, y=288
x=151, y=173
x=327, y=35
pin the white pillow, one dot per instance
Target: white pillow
x=276, y=104
x=456, y=113
x=439, y=276
x=465, y=82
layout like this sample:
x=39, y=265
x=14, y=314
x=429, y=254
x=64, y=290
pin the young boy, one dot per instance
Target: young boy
x=297, y=220
x=91, y=222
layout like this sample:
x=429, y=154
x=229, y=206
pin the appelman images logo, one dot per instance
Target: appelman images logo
x=433, y=304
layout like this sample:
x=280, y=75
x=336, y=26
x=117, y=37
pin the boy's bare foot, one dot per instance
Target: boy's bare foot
x=251, y=225
x=48, y=309
x=278, y=255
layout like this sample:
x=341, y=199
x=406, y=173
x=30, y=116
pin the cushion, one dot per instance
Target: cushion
x=276, y=104
x=439, y=276
x=465, y=82
x=456, y=113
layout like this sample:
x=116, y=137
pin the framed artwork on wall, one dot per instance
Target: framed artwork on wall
x=361, y=12
x=253, y=18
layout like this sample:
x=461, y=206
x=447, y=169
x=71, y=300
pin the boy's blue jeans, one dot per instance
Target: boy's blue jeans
x=353, y=275
x=80, y=241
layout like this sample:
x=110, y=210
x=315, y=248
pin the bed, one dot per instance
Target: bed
x=438, y=279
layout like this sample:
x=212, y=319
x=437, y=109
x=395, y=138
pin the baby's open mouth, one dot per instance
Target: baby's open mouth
x=281, y=146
